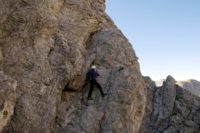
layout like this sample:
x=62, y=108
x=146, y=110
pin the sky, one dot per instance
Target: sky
x=165, y=35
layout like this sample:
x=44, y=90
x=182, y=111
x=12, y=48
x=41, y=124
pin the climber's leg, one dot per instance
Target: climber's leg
x=91, y=89
x=100, y=88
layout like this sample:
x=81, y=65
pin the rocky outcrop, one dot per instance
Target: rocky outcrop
x=123, y=109
x=171, y=109
x=7, y=98
x=47, y=47
x=191, y=85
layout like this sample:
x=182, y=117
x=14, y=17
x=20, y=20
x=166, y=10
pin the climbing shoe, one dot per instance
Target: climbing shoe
x=104, y=94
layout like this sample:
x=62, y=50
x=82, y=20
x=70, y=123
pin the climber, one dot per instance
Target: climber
x=92, y=74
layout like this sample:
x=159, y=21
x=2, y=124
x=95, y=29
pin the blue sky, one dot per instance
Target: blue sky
x=164, y=33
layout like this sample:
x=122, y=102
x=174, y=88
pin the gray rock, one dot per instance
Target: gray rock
x=182, y=109
x=176, y=119
x=192, y=85
x=47, y=47
x=173, y=109
x=122, y=110
x=7, y=99
x=171, y=130
x=163, y=102
x=191, y=124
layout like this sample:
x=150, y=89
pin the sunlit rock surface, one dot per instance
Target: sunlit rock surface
x=48, y=45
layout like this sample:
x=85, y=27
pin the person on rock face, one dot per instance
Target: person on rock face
x=92, y=74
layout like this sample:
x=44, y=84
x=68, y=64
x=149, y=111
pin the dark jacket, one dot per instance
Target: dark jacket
x=92, y=74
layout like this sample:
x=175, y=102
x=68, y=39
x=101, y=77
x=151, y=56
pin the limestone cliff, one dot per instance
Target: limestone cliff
x=46, y=47
x=170, y=109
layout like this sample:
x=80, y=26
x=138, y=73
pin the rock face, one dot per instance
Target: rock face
x=47, y=47
x=170, y=109
x=191, y=85
x=7, y=98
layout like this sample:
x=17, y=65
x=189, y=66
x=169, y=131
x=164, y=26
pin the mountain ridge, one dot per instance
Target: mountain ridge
x=191, y=84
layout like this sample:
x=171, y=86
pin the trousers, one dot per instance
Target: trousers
x=92, y=84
